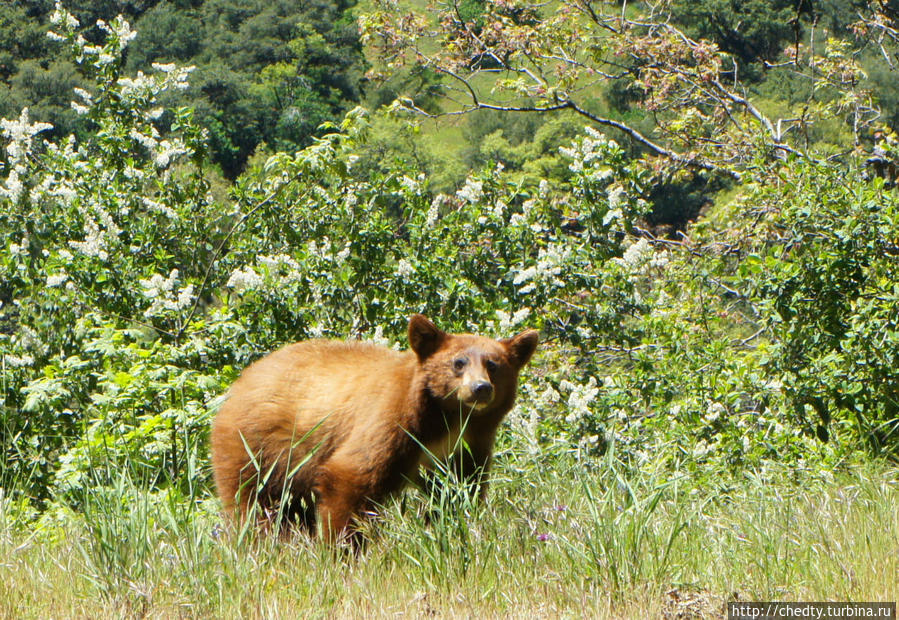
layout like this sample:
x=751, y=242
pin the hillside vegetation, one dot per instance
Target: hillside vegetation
x=703, y=227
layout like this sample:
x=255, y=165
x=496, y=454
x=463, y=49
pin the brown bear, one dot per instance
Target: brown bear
x=332, y=428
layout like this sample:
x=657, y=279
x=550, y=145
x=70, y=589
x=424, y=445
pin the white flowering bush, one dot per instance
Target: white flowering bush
x=130, y=297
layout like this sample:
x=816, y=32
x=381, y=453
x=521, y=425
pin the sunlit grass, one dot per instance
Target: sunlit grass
x=555, y=539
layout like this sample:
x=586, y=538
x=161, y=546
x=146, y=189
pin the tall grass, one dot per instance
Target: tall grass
x=556, y=538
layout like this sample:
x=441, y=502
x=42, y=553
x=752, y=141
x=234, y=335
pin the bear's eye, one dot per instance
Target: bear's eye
x=459, y=363
x=490, y=365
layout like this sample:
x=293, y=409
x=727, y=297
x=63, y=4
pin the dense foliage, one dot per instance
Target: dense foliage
x=132, y=295
x=266, y=72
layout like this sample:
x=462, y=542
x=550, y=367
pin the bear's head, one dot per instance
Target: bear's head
x=468, y=372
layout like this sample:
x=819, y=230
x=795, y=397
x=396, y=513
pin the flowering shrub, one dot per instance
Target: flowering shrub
x=131, y=296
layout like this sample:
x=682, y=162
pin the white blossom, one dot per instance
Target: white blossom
x=635, y=254
x=579, y=398
x=158, y=207
x=434, y=210
x=543, y=188
x=472, y=191
x=56, y=279
x=242, y=279
x=13, y=187
x=617, y=196
x=167, y=67
x=61, y=16
x=158, y=285
x=547, y=270
x=148, y=142
x=162, y=292
x=343, y=254
x=611, y=216
x=584, y=151
x=95, y=240
x=185, y=297
x=714, y=412
x=120, y=28
x=702, y=448
x=507, y=321
x=379, y=338
x=17, y=362
x=410, y=185
x=404, y=268
x=21, y=132
x=168, y=151
x=85, y=95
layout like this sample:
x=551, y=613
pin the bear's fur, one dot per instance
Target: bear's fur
x=333, y=427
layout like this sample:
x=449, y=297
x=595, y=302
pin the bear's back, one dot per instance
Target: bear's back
x=321, y=381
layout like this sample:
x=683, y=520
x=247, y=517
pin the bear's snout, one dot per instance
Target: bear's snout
x=482, y=391
x=477, y=394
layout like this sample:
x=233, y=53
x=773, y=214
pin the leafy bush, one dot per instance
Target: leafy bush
x=131, y=296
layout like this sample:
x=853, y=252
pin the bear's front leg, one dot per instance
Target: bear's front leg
x=342, y=496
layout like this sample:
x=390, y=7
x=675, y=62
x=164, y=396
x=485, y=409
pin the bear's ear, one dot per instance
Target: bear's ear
x=424, y=336
x=521, y=347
